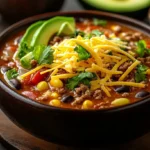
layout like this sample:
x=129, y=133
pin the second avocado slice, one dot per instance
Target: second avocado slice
x=49, y=28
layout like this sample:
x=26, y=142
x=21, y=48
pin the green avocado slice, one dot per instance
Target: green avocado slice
x=30, y=32
x=27, y=38
x=49, y=28
x=66, y=29
x=120, y=6
x=25, y=61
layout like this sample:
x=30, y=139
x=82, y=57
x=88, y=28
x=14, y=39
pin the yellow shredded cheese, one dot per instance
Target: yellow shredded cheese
x=34, y=70
x=106, y=90
x=129, y=70
x=96, y=68
x=140, y=85
x=100, y=62
x=65, y=76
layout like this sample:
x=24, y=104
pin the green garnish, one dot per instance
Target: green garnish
x=140, y=74
x=99, y=22
x=142, y=49
x=96, y=33
x=11, y=74
x=82, y=52
x=78, y=32
x=24, y=49
x=84, y=78
x=43, y=54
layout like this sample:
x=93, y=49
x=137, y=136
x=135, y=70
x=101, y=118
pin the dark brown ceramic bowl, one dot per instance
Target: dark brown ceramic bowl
x=76, y=127
x=15, y=10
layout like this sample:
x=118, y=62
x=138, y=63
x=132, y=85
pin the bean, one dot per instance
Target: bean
x=4, y=69
x=123, y=89
x=15, y=83
x=66, y=98
x=120, y=102
x=142, y=94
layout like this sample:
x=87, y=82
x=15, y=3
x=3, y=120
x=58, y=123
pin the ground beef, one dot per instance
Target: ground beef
x=97, y=94
x=131, y=36
x=145, y=60
x=44, y=97
x=81, y=93
x=80, y=90
x=125, y=66
x=103, y=104
x=34, y=63
x=56, y=39
x=132, y=45
x=58, y=90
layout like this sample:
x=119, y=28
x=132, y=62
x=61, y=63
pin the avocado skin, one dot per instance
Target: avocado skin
x=49, y=28
x=140, y=14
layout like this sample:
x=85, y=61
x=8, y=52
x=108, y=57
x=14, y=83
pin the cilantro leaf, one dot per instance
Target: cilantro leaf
x=46, y=56
x=24, y=49
x=140, y=74
x=12, y=74
x=84, y=77
x=83, y=54
x=99, y=22
x=141, y=48
x=42, y=54
x=78, y=32
x=96, y=33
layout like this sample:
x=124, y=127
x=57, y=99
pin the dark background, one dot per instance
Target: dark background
x=71, y=5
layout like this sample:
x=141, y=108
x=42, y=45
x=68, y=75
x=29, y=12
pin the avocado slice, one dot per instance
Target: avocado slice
x=65, y=29
x=26, y=60
x=120, y=6
x=30, y=32
x=49, y=28
x=27, y=38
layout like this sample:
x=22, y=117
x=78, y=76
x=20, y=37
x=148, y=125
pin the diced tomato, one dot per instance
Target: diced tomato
x=29, y=94
x=37, y=77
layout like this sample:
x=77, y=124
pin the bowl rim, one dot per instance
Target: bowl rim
x=41, y=106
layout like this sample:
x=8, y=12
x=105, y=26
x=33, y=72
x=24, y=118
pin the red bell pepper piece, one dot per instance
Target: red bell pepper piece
x=37, y=77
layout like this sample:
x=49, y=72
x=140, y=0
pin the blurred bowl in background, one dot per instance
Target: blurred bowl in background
x=14, y=10
x=136, y=9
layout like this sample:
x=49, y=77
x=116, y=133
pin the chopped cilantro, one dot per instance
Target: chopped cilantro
x=11, y=74
x=140, y=74
x=99, y=22
x=84, y=78
x=96, y=33
x=83, y=54
x=142, y=49
x=43, y=54
x=78, y=32
x=24, y=49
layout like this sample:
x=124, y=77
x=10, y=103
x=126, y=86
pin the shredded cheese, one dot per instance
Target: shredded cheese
x=101, y=62
x=129, y=70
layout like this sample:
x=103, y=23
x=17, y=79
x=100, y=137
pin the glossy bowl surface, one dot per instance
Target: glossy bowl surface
x=76, y=127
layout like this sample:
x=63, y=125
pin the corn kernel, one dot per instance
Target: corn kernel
x=87, y=104
x=54, y=95
x=43, y=85
x=55, y=102
x=120, y=102
x=55, y=82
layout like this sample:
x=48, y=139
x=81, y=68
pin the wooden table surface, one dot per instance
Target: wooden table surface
x=10, y=134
